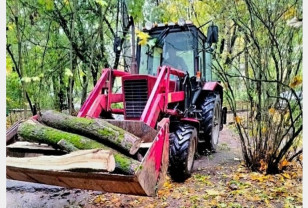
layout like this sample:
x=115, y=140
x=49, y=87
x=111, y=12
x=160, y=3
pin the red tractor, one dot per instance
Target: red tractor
x=170, y=102
x=173, y=80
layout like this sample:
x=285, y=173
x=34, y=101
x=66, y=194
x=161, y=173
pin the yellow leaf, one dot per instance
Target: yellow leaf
x=264, y=130
x=282, y=164
x=237, y=119
x=258, y=177
x=236, y=177
x=276, y=117
x=143, y=37
x=82, y=74
x=49, y=4
x=301, y=157
x=9, y=65
x=212, y=192
x=101, y=3
x=167, y=184
x=289, y=13
x=142, y=42
x=254, y=198
x=281, y=178
x=11, y=26
x=286, y=118
x=286, y=175
x=263, y=165
x=297, y=80
x=271, y=111
x=99, y=199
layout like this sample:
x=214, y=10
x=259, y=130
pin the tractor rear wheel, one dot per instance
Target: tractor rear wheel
x=211, y=120
x=183, y=142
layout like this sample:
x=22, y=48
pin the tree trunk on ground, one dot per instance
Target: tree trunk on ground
x=97, y=129
x=95, y=159
x=34, y=131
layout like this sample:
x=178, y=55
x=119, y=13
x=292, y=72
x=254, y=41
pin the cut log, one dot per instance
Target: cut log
x=34, y=131
x=95, y=159
x=67, y=146
x=96, y=129
x=29, y=145
x=30, y=149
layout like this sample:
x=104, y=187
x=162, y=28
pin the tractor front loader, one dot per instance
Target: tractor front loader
x=171, y=104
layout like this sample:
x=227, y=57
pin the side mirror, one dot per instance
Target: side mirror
x=212, y=34
x=117, y=45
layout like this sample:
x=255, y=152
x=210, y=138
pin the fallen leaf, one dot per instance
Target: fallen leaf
x=99, y=199
x=222, y=205
x=213, y=192
x=258, y=177
x=286, y=175
x=301, y=157
x=283, y=164
x=263, y=165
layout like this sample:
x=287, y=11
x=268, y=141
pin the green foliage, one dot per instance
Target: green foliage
x=13, y=91
x=45, y=48
x=135, y=8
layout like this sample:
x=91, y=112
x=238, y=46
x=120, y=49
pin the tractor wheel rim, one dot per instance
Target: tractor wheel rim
x=191, y=153
x=215, y=129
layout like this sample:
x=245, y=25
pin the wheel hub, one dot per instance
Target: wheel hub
x=191, y=154
x=215, y=129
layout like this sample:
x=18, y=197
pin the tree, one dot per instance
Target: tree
x=261, y=46
x=63, y=45
x=272, y=77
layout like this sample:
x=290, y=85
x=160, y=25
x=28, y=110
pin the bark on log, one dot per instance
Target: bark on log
x=95, y=159
x=96, y=129
x=34, y=131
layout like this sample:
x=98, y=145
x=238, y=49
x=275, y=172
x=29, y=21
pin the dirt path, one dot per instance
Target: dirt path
x=228, y=152
x=22, y=194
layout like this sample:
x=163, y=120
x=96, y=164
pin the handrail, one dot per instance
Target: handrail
x=158, y=102
x=106, y=74
x=93, y=95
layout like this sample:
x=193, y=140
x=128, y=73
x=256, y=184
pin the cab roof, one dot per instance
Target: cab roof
x=173, y=27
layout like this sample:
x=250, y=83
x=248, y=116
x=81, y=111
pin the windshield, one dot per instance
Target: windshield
x=150, y=59
x=177, y=52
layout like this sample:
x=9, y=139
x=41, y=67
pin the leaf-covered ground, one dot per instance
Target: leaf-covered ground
x=221, y=186
x=220, y=180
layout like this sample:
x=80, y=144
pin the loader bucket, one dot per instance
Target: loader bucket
x=147, y=179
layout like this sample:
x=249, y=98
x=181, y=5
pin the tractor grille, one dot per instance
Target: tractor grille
x=136, y=96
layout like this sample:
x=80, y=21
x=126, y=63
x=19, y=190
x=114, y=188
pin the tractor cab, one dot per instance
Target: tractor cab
x=183, y=47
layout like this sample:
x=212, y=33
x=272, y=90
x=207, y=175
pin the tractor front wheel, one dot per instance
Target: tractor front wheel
x=183, y=142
